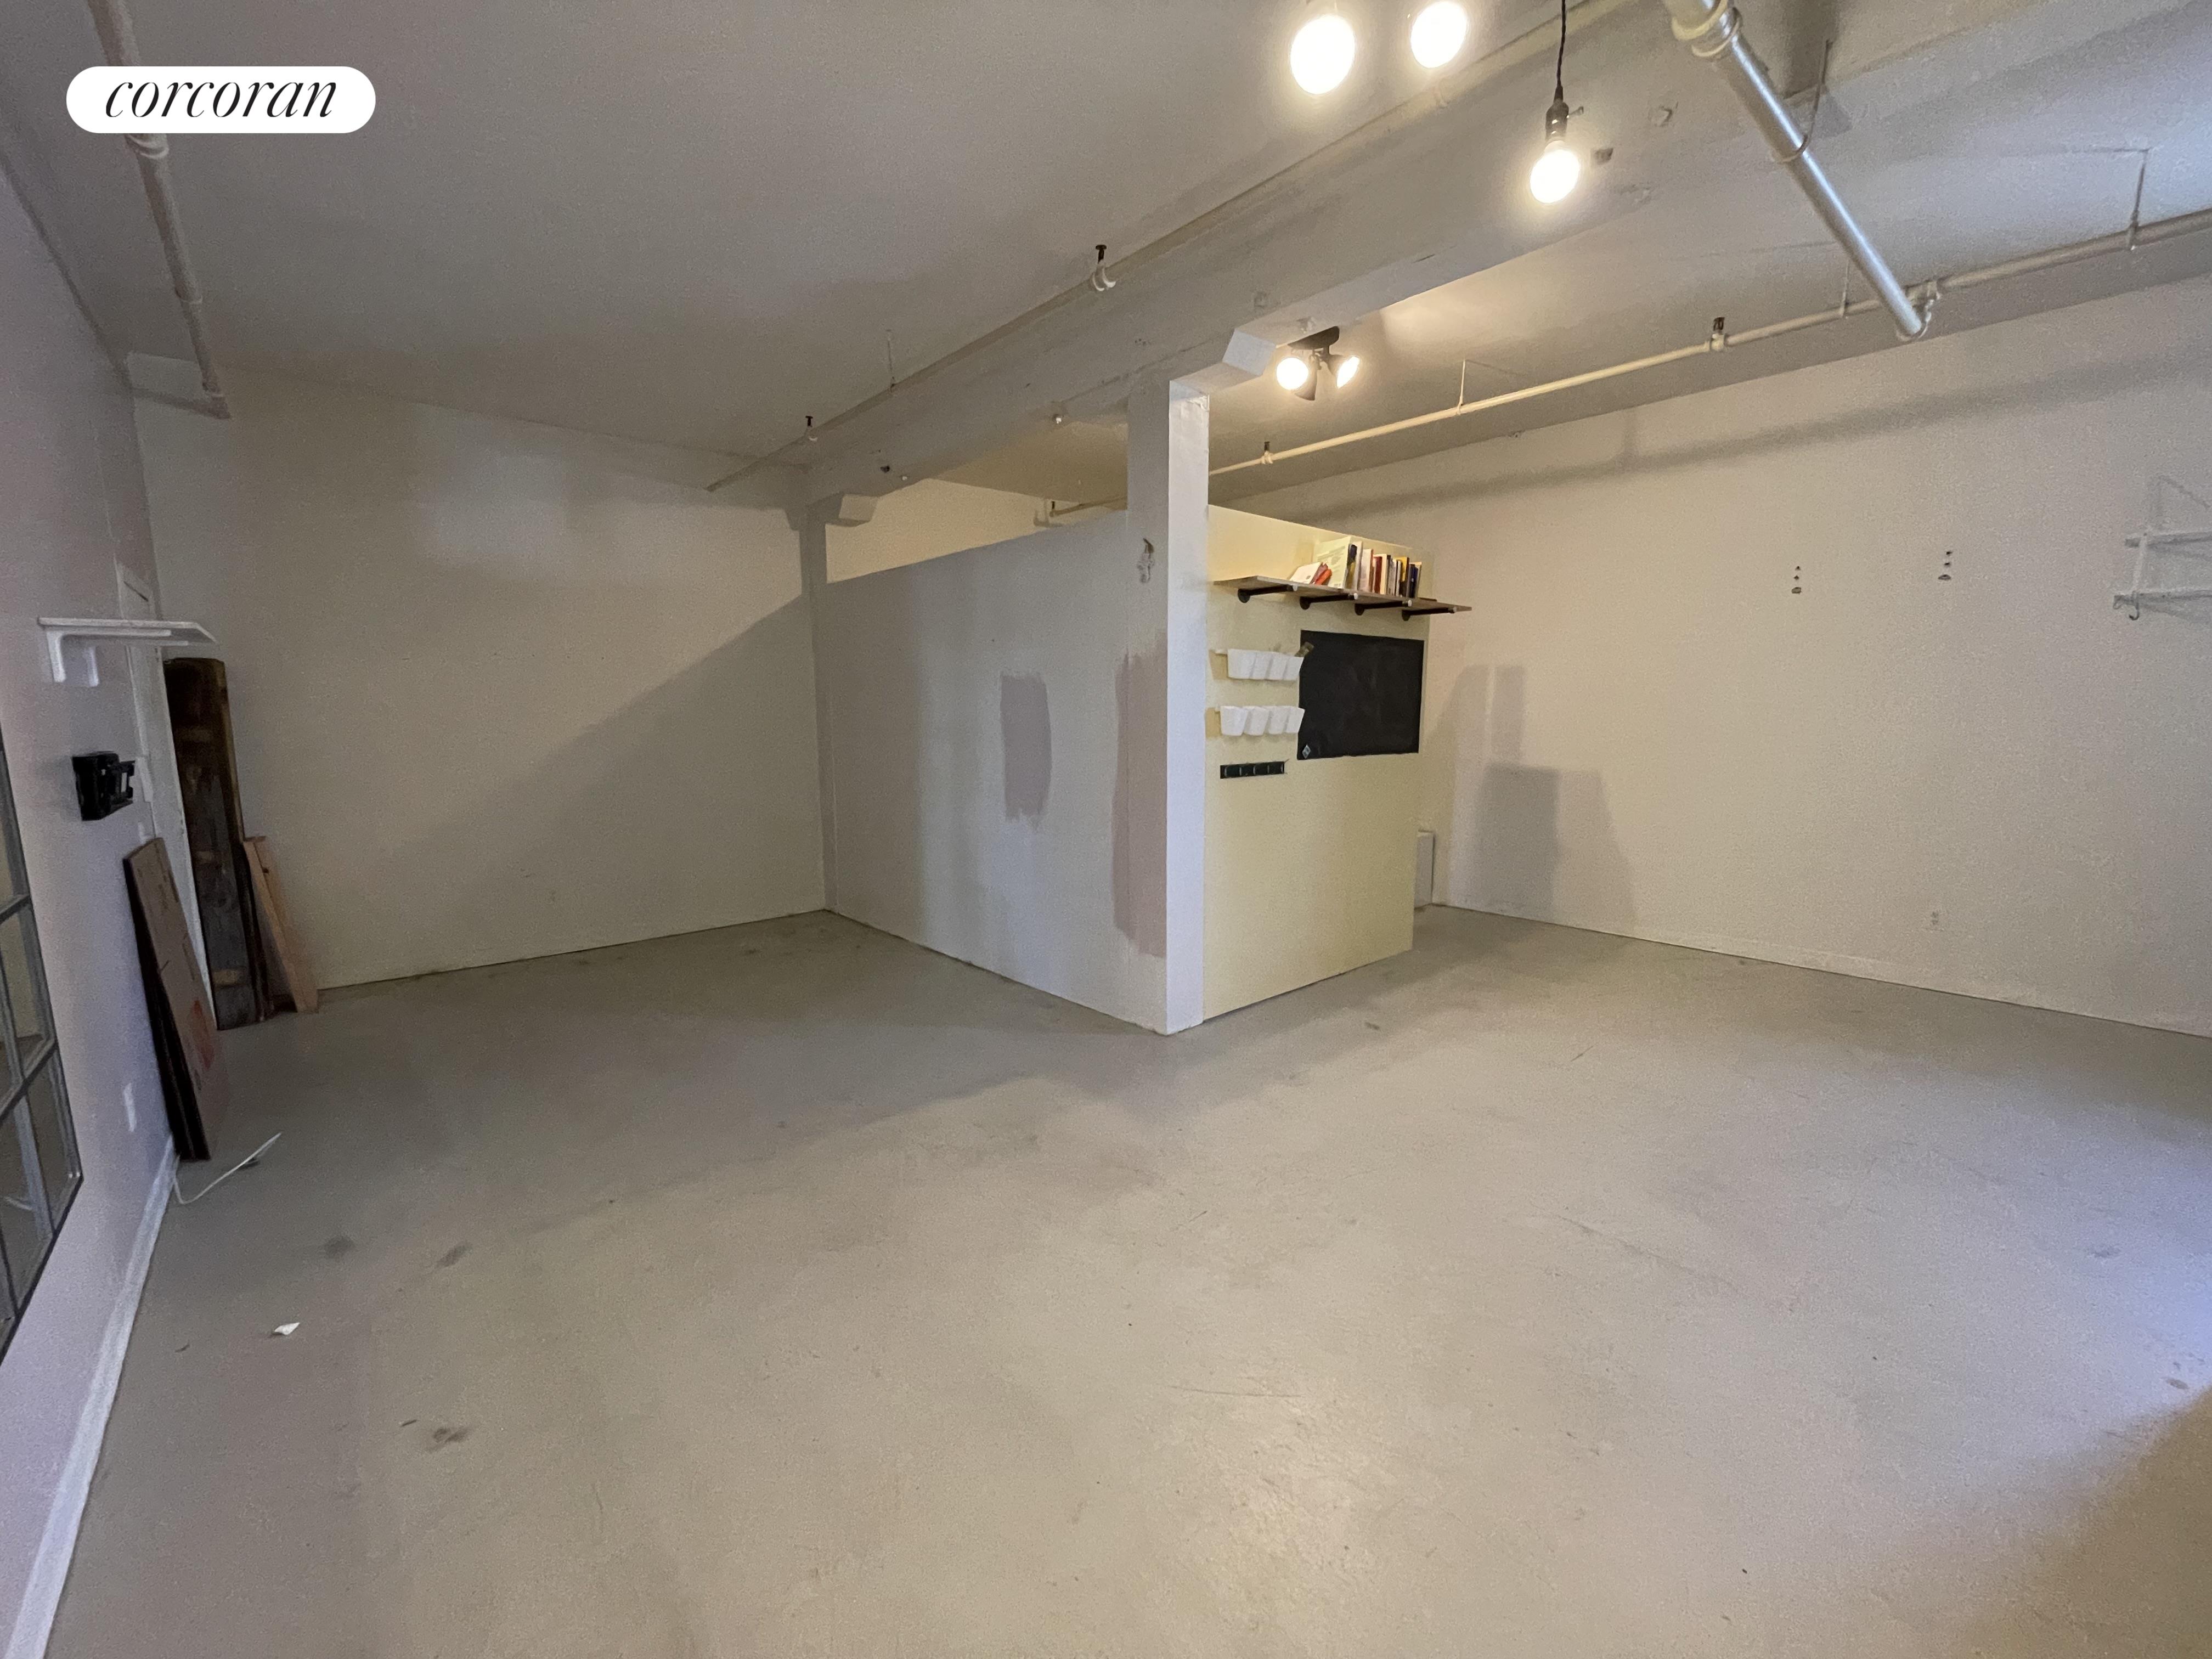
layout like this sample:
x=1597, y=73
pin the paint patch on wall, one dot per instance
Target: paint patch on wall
x=1140, y=797
x=1025, y=740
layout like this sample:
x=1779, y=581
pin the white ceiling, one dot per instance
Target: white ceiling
x=1978, y=173
x=689, y=221
x=697, y=221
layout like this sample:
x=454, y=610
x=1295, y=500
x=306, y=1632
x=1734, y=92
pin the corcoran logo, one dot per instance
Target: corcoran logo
x=138, y=98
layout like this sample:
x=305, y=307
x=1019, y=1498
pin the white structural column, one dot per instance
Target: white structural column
x=813, y=524
x=1169, y=451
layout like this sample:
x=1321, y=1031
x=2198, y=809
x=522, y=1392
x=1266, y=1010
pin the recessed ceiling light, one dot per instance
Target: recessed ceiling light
x=1439, y=33
x=1321, y=53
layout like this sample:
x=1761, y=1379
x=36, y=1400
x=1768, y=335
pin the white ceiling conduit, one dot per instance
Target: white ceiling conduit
x=151, y=150
x=1714, y=31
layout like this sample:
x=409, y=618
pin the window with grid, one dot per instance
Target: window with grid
x=38, y=1171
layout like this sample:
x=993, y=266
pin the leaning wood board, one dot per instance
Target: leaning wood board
x=207, y=778
x=276, y=924
x=192, y=1079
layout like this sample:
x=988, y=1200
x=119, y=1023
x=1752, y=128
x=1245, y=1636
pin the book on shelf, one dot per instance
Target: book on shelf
x=1363, y=570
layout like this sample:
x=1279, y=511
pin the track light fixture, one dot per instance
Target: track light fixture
x=1558, y=169
x=1321, y=53
x=1308, y=362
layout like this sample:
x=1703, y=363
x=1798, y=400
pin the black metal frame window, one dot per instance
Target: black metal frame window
x=39, y=1174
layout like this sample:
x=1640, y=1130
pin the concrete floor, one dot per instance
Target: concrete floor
x=791, y=1291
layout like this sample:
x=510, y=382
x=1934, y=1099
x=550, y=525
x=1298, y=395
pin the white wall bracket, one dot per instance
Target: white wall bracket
x=84, y=632
x=2152, y=541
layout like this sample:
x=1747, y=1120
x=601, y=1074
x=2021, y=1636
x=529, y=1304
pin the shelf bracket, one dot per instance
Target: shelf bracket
x=79, y=636
x=2151, y=542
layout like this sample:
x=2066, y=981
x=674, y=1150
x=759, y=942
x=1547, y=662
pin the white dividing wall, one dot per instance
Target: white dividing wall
x=75, y=508
x=994, y=730
x=1995, y=785
x=1311, y=873
x=499, y=690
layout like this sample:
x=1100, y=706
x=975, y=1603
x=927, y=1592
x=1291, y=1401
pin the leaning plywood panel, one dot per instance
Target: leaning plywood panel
x=192, y=1079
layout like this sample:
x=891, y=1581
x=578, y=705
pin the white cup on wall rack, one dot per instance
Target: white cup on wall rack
x=1278, y=718
x=1240, y=664
x=1232, y=721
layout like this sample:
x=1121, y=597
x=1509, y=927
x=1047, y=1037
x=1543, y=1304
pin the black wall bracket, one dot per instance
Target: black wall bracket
x=103, y=783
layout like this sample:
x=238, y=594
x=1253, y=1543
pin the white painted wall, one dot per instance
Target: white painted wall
x=926, y=521
x=1311, y=873
x=499, y=690
x=1996, y=785
x=75, y=508
x=988, y=715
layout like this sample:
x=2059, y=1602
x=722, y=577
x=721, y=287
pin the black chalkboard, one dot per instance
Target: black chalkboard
x=1362, y=695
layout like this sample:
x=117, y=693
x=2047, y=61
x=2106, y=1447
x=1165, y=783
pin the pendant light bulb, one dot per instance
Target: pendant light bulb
x=1559, y=168
x=1557, y=171
x=1439, y=34
x=1321, y=53
x=1292, y=372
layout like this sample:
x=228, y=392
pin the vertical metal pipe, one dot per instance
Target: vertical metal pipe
x=1713, y=29
x=151, y=150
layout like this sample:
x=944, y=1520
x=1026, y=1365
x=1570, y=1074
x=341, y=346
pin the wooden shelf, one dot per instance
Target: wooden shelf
x=1309, y=594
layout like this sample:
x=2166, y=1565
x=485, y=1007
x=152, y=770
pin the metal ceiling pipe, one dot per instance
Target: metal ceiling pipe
x=2133, y=239
x=1713, y=29
x=151, y=150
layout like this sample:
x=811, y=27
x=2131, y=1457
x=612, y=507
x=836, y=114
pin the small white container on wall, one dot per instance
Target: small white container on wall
x=1232, y=721
x=1263, y=665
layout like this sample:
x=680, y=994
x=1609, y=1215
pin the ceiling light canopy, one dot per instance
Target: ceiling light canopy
x=1439, y=33
x=1321, y=53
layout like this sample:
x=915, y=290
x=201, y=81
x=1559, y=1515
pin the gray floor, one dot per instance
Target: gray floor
x=788, y=1290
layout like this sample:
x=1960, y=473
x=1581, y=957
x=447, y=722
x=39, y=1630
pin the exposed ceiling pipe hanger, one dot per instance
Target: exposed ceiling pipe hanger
x=151, y=151
x=1713, y=30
